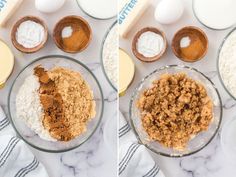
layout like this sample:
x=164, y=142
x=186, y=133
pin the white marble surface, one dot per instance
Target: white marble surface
x=93, y=158
x=210, y=162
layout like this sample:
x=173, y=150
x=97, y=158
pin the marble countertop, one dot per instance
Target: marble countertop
x=93, y=158
x=209, y=162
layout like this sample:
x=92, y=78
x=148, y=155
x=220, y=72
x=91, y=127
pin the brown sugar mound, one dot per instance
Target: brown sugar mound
x=174, y=110
x=67, y=101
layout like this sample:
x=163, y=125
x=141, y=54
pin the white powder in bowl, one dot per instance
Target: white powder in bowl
x=30, y=34
x=67, y=32
x=227, y=63
x=110, y=55
x=185, y=42
x=150, y=44
x=29, y=108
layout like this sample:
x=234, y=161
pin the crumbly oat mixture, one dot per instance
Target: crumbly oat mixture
x=67, y=102
x=175, y=109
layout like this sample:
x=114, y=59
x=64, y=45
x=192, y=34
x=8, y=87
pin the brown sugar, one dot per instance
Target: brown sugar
x=67, y=102
x=174, y=110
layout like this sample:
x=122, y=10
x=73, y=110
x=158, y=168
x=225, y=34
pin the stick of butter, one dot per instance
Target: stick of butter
x=126, y=71
x=7, y=8
x=130, y=12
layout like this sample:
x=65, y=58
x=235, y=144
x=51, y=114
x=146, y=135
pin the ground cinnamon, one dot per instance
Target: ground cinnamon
x=195, y=50
x=77, y=40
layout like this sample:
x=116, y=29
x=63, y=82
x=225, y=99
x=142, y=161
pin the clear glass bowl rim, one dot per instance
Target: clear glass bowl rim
x=218, y=60
x=102, y=102
x=101, y=54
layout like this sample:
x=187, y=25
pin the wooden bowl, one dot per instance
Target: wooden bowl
x=74, y=22
x=190, y=31
x=135, y=40
x=19, y=46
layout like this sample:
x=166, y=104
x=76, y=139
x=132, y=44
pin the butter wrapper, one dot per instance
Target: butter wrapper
x=7, y=8
x=130, y=12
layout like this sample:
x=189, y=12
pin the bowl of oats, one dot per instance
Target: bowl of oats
x=55, y=103
x=176, y=111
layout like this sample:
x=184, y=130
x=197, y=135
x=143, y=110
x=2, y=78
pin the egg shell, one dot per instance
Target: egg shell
x=48, y=6
x=169, y=11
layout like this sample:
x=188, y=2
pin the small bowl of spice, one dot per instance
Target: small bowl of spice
x=149, y=44
x=190, y=44
x=72, y=34
x=29, y=34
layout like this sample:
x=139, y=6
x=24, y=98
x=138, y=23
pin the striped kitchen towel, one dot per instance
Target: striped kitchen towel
x=134, y=159
x=16, y=160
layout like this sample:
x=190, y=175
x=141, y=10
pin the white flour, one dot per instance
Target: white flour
x=150, y=44
x=227, y=63
x=29, y=108
x=110, y=55
x=30, y=34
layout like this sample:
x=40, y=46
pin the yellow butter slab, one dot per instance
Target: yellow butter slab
x=6, y=63
x=126, y=71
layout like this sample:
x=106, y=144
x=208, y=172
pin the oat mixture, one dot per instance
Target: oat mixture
x=175, y=109
x=67, y=101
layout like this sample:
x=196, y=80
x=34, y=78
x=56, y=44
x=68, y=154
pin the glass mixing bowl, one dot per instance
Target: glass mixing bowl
x=101, y=53
x=26, y=133
x=218, y=64
x=202, y=139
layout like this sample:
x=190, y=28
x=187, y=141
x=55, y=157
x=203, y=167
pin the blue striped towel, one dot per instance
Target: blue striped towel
x=16, y=160
x=134, y=159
